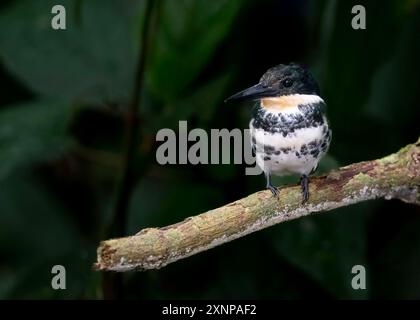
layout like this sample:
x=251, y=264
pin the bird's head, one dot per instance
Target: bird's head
x=281, y=80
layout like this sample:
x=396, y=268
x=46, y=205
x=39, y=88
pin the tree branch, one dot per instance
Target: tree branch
x=395, y=176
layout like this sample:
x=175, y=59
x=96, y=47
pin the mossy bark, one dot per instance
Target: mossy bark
x=395, y=176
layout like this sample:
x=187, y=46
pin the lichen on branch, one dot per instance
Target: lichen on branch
x=395, y=176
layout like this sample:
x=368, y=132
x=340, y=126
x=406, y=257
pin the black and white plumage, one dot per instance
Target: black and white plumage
x=289, y=128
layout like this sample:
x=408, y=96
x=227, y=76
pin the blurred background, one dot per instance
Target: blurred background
x=80, y=108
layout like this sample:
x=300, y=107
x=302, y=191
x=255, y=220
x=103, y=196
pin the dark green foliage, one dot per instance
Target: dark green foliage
x=63, y=98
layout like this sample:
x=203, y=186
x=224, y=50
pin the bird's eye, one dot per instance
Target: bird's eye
x=287, y=82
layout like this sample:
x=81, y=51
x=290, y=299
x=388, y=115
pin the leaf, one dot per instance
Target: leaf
x=35, y=234
x=159, y=202
x=93, y=59
x=351, y=61
x=188, y=34
x=396, y=262
x=31, y=133
x=390, y=101
x=202, y=104
x=326, y=247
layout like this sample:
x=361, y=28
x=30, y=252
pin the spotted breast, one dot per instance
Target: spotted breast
x=290, y=134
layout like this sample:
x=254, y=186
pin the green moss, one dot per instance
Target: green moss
x=174, y=234
x=398, y=156
x=359, y=179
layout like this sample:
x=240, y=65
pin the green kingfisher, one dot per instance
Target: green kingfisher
x=289, y=128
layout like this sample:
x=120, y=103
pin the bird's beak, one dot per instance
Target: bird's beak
x=254, y=92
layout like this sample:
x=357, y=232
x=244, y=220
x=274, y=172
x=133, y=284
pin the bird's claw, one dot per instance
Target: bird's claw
x=304, y=183
x=274, y=191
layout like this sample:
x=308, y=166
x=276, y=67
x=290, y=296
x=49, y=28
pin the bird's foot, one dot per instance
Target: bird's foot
x=304, y=183
x=273, y=190
x=270, y=186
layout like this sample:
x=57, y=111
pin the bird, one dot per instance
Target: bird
x=289, y=128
